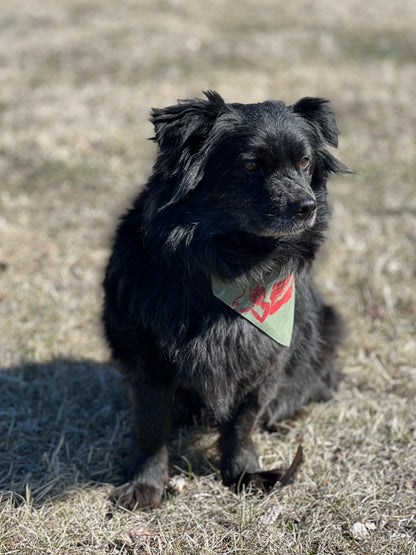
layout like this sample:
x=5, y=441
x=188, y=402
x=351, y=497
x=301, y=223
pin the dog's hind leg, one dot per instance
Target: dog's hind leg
x=308, y=379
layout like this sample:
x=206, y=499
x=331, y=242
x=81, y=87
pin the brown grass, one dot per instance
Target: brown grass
x=77, y=79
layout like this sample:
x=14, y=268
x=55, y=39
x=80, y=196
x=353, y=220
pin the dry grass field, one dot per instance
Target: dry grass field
x=77, y=80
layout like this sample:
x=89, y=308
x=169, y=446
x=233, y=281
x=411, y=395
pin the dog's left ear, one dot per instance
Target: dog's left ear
x=321, y=120
x=317, y=112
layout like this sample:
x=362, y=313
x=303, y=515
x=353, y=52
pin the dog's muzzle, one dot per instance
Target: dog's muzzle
x=303, y=209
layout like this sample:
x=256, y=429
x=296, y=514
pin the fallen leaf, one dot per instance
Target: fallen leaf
x=270, y=516
x=361, y=531
x=135, y=536
x=177, y=484
x=293, y=468
x=138, y=531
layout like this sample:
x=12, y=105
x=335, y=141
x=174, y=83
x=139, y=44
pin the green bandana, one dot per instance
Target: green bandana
x=270, y=306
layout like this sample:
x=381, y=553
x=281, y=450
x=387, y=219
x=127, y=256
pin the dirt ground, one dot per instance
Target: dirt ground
x=77, y=81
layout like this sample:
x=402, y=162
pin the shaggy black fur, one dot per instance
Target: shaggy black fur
x=237, y=192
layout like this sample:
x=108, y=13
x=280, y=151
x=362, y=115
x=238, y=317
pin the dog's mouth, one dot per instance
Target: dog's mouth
x=283, y=226
x=258, y=234
x=292, y=218
x=260, y=238
x=247, y=243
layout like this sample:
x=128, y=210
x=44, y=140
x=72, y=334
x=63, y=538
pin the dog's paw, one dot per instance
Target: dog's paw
x=137, y=495
x=264, y=480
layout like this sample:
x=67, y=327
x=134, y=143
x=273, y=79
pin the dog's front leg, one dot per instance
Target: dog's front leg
x=238, y=453
x=151, y=413
x=239, y=459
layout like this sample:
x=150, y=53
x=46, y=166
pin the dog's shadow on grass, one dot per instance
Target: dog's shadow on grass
x=64, y=423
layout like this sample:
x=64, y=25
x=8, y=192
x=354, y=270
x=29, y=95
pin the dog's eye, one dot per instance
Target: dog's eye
x=304, y=163
x=250, y=166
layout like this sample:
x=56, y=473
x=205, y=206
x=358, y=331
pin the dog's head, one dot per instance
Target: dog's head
x=256, y=168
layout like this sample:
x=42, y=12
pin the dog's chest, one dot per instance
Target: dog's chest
x=224, y=354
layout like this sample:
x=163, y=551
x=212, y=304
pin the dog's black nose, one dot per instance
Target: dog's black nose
x=304, y=208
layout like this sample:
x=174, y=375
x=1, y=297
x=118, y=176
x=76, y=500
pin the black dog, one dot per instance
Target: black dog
x=237, y=202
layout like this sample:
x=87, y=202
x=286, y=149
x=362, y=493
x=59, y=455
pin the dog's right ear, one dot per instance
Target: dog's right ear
x=187, y=124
